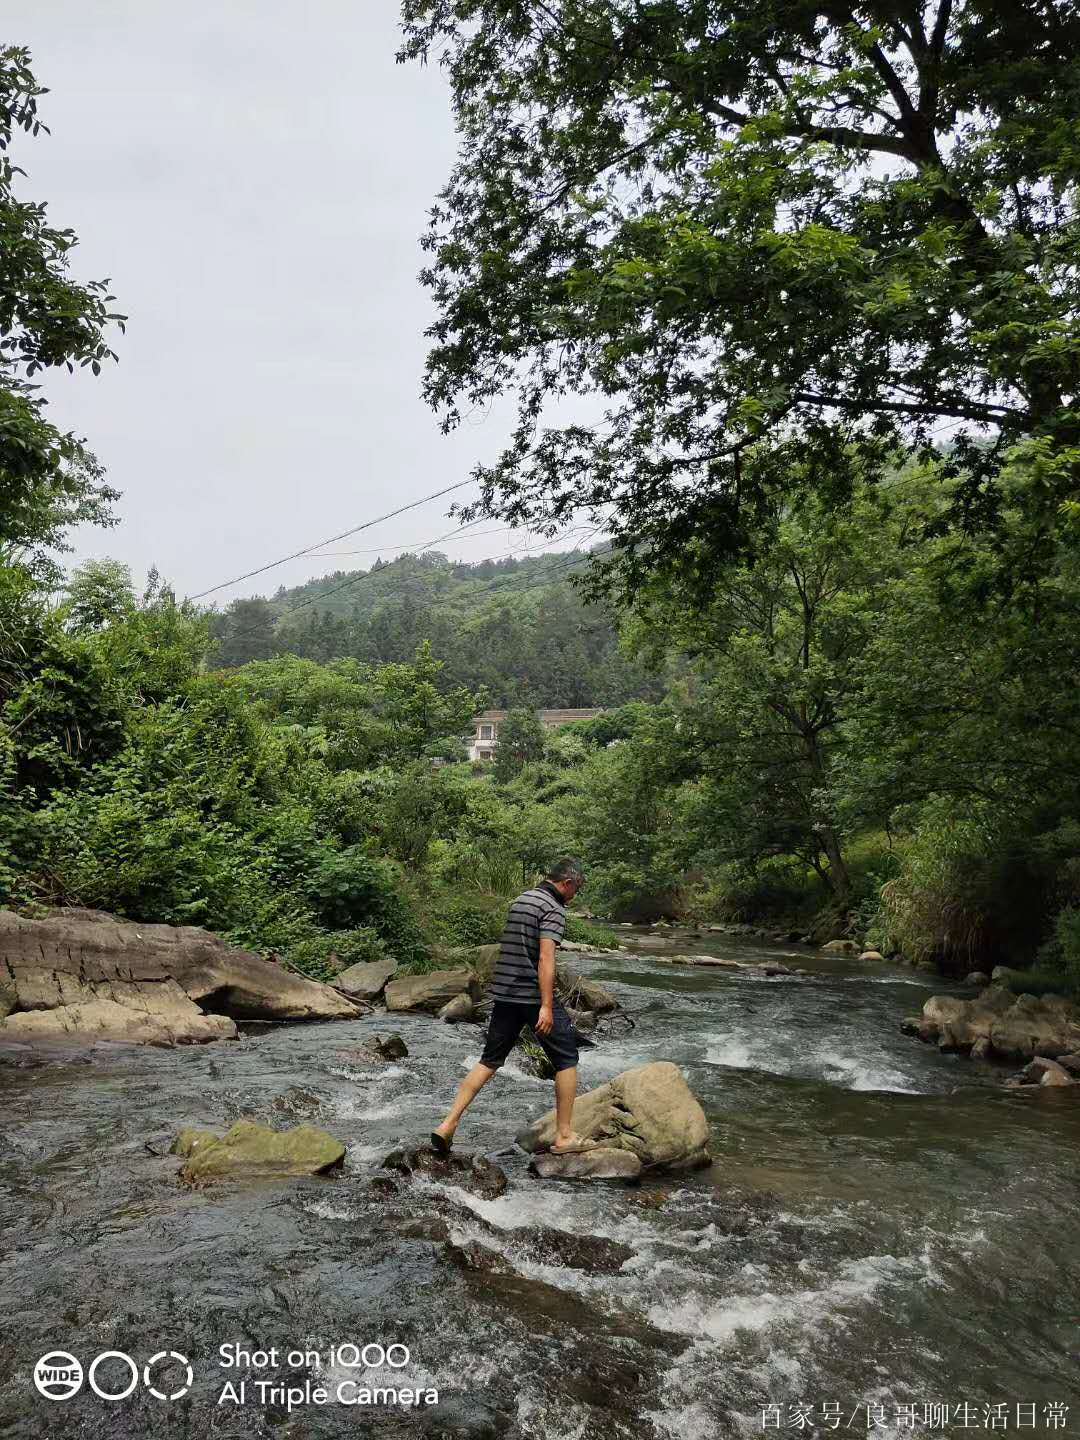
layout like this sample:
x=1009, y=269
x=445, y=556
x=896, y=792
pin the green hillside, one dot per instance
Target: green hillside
x=517, y=628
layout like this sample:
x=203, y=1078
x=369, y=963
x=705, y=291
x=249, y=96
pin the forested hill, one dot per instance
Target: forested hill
x=516, y=627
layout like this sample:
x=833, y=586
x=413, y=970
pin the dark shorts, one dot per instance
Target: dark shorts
x=504, y=1028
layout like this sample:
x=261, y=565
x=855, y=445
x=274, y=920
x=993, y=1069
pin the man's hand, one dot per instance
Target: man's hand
x=545, y=1021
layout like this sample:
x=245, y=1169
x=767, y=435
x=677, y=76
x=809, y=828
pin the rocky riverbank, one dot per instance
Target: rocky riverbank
x=998, y=1025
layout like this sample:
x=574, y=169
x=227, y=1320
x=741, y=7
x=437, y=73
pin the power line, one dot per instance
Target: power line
x=394, y=545
x=331, y=541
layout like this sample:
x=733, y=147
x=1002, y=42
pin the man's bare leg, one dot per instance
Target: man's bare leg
x=468, y=1090
x=565, y=1092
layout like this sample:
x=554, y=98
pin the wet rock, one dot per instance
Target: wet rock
x=430, y=992
x=582, y=994
x=1071, y=1063
x=717, y=961
x=977, y=977
x=1044, y=1071
x=475, y=1173
x=649, y=1111
x=80, y=972
x=458, y=1009
x=8, y=996
x=376, y=1051
x=1049, y=1025
x=840, y=947
x=872, y=955
x=392, y=1048
x=981, y=1048
x=481, y=1258
x=295, y=1101
x=594, y=1254
x=188, y=1141
x=1015, y=1027
x=600, y=1164
x=253, y=1150
x=583, y=1020
x=366, y=980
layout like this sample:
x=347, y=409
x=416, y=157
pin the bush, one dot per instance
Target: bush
x=312, y=956
x=463, y=920
x=587, y=932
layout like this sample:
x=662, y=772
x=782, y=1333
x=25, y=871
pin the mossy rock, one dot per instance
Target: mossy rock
x=188, y=1141
x=250, y=1149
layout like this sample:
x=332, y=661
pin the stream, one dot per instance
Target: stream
x=884, y=1230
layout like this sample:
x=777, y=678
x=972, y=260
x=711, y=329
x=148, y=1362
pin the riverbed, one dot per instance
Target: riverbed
x=884, y=1229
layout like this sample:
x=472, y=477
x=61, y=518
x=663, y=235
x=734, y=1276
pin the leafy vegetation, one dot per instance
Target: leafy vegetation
x=820, y=265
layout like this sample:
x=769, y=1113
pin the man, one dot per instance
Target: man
x=523, y=993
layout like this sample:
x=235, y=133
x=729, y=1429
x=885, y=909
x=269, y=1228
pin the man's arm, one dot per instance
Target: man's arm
x=546, y=975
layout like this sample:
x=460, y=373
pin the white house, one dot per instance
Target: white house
x=486, y=727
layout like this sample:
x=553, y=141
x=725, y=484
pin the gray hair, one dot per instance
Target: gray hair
x=568, y=869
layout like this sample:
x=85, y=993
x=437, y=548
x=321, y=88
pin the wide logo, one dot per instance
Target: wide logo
x=59, y=1375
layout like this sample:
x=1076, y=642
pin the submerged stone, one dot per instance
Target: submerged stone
x=475, y=1173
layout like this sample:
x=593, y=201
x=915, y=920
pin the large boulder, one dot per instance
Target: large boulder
x=840, y=947
x=649, y=1111
x=365, y=980
x=253, y=1150
x=1013, y=1027
x=430, y=992
x=1034, y=1025
x=78, y=972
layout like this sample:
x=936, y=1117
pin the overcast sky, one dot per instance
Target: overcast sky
x=253, y=176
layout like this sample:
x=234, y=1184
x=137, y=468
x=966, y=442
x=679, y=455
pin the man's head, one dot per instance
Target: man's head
x=567, y=876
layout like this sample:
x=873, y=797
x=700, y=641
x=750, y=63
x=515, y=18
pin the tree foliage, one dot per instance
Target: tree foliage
x=778, y=238
x=48, y=480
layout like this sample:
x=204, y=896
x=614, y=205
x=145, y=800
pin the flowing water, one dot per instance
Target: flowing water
x=883, y=1227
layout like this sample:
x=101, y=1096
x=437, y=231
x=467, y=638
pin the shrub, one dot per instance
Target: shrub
x=463, y=920
x=312, y=955
x=588, y=932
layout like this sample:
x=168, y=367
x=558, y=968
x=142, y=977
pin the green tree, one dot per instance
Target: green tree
x=99, y=593
x=520, y=739
x=765, y=233
x=419, y=711
x=48, y=481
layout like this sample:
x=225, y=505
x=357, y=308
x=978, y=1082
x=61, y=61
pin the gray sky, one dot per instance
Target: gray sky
x=253, y=176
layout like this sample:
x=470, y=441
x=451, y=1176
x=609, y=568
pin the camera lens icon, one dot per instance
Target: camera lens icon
x=58, y=1375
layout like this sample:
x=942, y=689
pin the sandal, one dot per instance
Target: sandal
x=440, y=1144
x=577, y=1146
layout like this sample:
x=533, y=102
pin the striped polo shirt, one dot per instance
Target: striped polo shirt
x=537, y=915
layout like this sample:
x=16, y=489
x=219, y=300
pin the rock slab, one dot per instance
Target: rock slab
x=86, y=973
x=365, y=980
x=649, y=1111
x=430, y=992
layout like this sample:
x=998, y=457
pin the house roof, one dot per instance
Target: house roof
x=547, y=717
